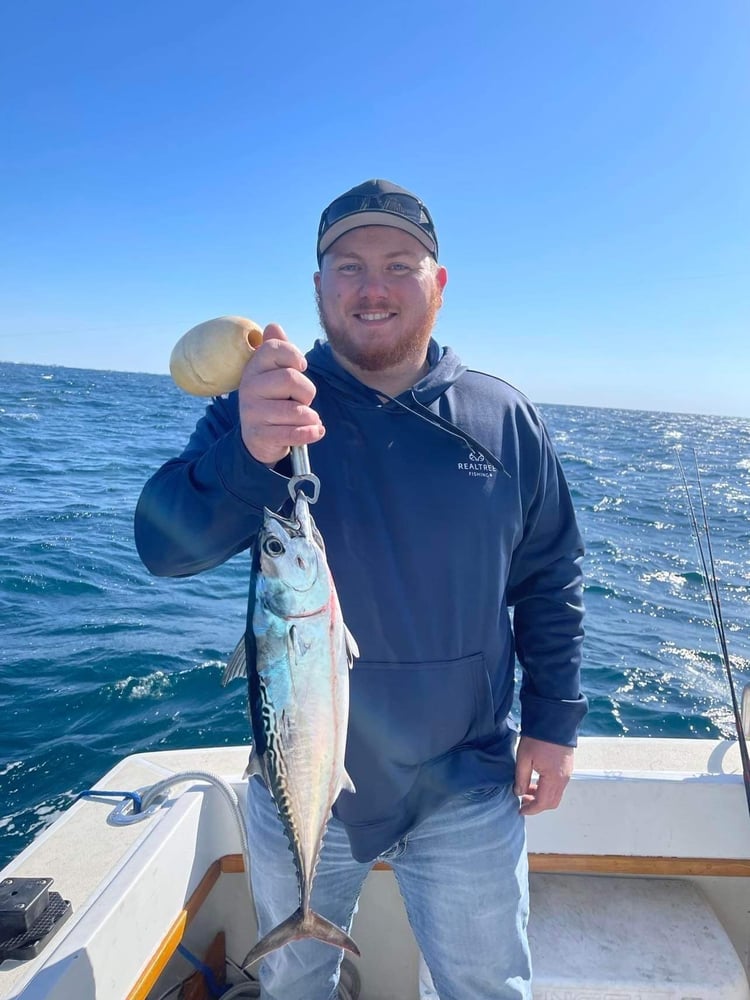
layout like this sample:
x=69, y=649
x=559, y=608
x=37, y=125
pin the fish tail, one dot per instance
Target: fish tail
x=301, y=925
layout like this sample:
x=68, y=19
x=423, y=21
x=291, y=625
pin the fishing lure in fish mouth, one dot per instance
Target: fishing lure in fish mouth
x=296, y=654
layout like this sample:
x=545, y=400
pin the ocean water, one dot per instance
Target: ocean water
x=98, y=659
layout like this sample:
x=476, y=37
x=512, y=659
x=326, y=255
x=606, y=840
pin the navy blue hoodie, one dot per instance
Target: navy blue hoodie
x=440, y=510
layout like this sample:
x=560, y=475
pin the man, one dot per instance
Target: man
x=442, y=506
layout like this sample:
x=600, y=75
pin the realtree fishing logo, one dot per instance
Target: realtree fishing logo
x=478, y=466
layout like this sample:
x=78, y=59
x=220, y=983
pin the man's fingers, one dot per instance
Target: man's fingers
x=523, y=776
x=274, y=354
x=276, y=441
x=274, y=332
x=552, y=762
x=279, y=383
x=527, y=802
x=545, y=794
x=285, y=413
x=273, y=444
x=275, y=398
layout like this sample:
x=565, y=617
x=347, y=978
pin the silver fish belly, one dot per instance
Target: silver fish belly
x=297, y=660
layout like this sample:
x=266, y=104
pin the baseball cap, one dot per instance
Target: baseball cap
x=376, y=203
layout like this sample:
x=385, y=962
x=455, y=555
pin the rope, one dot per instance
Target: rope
x=105, y=793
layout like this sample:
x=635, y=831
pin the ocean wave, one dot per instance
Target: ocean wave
x=25, y=415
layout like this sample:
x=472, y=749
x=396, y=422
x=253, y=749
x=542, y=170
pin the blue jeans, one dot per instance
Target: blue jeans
x=463, y=875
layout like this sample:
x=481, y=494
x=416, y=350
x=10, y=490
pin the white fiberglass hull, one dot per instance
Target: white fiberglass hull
x=640, y=884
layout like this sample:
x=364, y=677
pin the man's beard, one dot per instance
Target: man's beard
x=373, y=356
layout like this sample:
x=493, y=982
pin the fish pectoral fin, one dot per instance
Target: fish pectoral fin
x=352, y=649
x=237, y=664
x=346, y=784
x=292, y=645
x=292, y=654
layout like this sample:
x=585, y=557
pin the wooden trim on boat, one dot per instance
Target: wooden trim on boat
x=631, y=864
x=162, y=955
x=580, y=864
x=595, y=864
x=230, y=863
x=626, y=864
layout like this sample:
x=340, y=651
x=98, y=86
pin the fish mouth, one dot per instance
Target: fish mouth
x=282, y=610
x=302, y=590
x=290, y=524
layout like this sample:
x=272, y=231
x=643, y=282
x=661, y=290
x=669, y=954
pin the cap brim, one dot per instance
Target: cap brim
x=358, y=219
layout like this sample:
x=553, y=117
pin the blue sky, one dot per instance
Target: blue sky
x=587, y=163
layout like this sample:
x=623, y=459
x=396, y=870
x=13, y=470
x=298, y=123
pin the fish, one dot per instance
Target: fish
x=297, y=658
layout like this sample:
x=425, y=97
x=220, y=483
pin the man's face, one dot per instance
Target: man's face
x=378, y=294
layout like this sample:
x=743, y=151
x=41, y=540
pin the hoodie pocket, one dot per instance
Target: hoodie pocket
x=413, y=712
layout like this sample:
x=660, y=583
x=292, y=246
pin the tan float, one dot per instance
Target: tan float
x=210, y=358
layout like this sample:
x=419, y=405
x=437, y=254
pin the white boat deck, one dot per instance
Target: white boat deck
x=645, y=799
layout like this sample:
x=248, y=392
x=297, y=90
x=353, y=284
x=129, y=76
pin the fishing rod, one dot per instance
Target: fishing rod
x=710, y=579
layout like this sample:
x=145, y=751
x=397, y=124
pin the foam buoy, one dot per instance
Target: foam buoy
x=209, y=359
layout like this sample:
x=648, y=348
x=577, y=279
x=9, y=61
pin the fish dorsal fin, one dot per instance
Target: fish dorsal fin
x=352, y=649
x=237, y=664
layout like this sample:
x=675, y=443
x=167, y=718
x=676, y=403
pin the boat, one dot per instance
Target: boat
x=640, y=885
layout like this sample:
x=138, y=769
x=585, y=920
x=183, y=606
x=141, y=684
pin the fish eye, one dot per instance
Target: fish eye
x=273, y=547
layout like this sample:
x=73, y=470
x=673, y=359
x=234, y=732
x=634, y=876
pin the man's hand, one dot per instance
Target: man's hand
x=275, y=398
x=553, y=764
